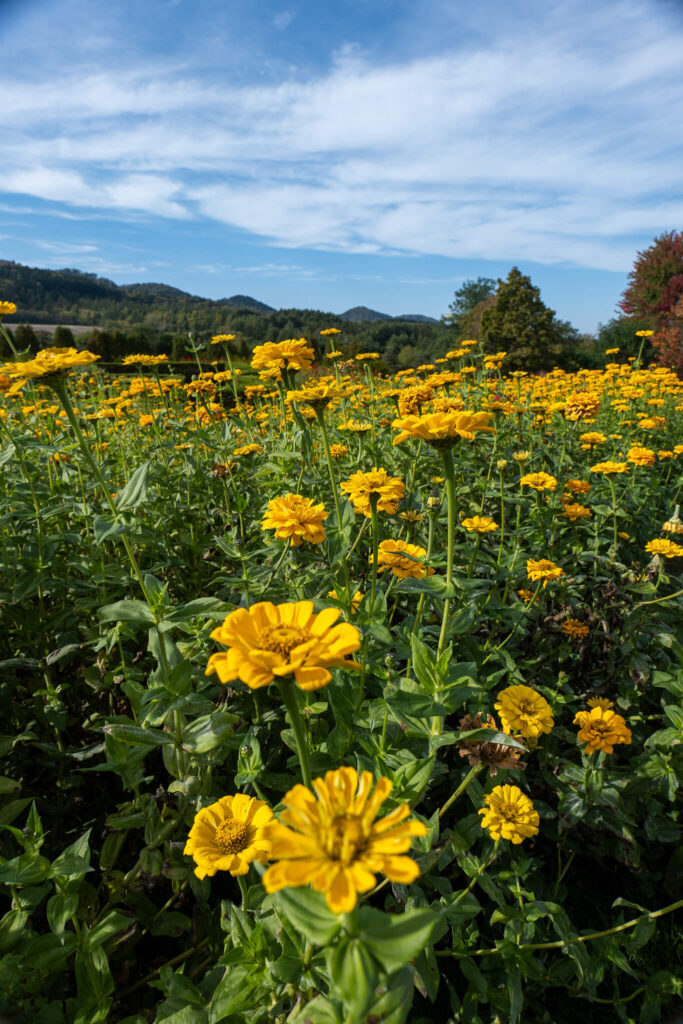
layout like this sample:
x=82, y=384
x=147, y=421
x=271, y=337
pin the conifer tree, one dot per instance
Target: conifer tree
x=523, y=326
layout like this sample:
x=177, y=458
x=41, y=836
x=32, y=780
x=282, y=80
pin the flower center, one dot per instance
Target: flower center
x=508, y=812
x=283, y=638
x=232, y=836
x=526, y=708
x=599, y=726
x=345, y=839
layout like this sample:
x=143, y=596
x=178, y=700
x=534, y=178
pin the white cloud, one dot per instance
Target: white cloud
x=553, y=142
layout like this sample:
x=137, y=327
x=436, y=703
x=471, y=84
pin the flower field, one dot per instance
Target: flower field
x=340, y=698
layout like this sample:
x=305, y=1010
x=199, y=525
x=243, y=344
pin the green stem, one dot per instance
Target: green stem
x=472, y=774
x=449, y=473
x=287, y=689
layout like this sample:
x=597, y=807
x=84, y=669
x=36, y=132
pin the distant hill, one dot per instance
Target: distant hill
x=363, y=315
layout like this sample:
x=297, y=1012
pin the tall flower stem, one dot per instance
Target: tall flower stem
x=449, y=474
x=375, y=548
x=472, y=774
x=335, y=496
x=287, y=689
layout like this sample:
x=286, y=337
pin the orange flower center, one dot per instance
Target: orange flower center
x=283, y=638
x=599, y=726
x=232, y=836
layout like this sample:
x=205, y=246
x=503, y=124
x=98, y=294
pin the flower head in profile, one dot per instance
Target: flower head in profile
x=404, y=560
x=479, y=524
x=268, y=642
x=443, y=429
x=49, y=364
x=609, y=468
x=222, y=339
x=6, y=309
x=229, y=835
x=329, y=331
x=574, y=510
x=665, y=548
x=524, y=711
x=509, y=814
x=316, y=395
x=539, y=481
x=249, y=449
x=543, y=569
x=386, y=490
x=330, y=839
x=291, y=354
x=295, y=518
x=600, y=728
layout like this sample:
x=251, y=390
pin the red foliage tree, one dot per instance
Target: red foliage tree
x=656, y=282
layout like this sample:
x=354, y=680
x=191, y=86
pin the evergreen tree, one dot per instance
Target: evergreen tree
x=63, y=337
x=468, y=295
x=25, y=339
x=523, y=326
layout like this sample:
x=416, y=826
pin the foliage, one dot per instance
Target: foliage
x=467, y=296
x=522, y=326
x=655, y=285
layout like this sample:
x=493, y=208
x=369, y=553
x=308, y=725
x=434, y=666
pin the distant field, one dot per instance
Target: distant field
x=51, y=328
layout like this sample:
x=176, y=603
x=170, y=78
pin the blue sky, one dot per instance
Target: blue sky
x=367, y=152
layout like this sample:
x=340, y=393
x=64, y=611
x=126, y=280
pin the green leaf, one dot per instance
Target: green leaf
x=106, y=528
x=200, y=607
x=208, y=732
x=234, y=993
x=309, y=913
x=395, y=939
x=8, y=785
x=110, y=924
x=134, y=734
x=394, y=1006
x=319, y=1011
x=355, y=975
x=675, y=715
x=61, y=908
x=135, y=491
x=128, y=610
x=28, y=869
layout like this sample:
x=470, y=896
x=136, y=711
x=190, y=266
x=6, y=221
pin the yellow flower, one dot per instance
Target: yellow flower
x=521, y=457
x=479, y=524
x=666, y=548
x=608, y=468
x=268, y=642
x=411, y=516
x=337, y=451
x=442, y=429
x=543, y=569
x=525, y=711
x=283, y=355
x=573, y=511
x=361, y=487
x=578, y=486
x=249, y=449
x=576, y=629
x=144, y=360
x=49, y=363
x=297, y=518
x=611, y=351
x=641, y=456
x=539, y=481
x=6, y=309
x=367, y=355
x=229, y=835
x=592, y=438
x=600, y=729
x=509, y=814
x=644, y=334
x=404, y=560
x=526, y=595
x=329, y=331
x=221, y=339
x=581, y=406
x=331, y=840
x=315, y=395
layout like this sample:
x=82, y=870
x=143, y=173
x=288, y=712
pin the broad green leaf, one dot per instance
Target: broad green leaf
x=135, y=491
x=396, y=939
x=309, y=913
x=128, y=610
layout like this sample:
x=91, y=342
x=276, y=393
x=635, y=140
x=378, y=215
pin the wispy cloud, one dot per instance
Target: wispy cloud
x=554, y=141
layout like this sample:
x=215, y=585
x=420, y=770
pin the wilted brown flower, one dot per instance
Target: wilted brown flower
x=495, y=755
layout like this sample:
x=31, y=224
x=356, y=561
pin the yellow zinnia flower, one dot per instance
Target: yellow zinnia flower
x=640, y=456
x=295, y=518
x=600, y=728
x=479, y=524
x=334, y=843
x=509, y=814
x=49, y=363
x=6, y=309
x=576, y=629
x=291, y=354
x=573, y=511
x=442, y=429
x=388, y=490
x=543, y=569
x=608, y=468
x=229, y=835
x=525, y=711
x=664, y=547
x=404, y=560
x=269, y=642
x=539, y=481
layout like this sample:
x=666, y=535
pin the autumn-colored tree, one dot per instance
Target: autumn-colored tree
x=655, y=284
